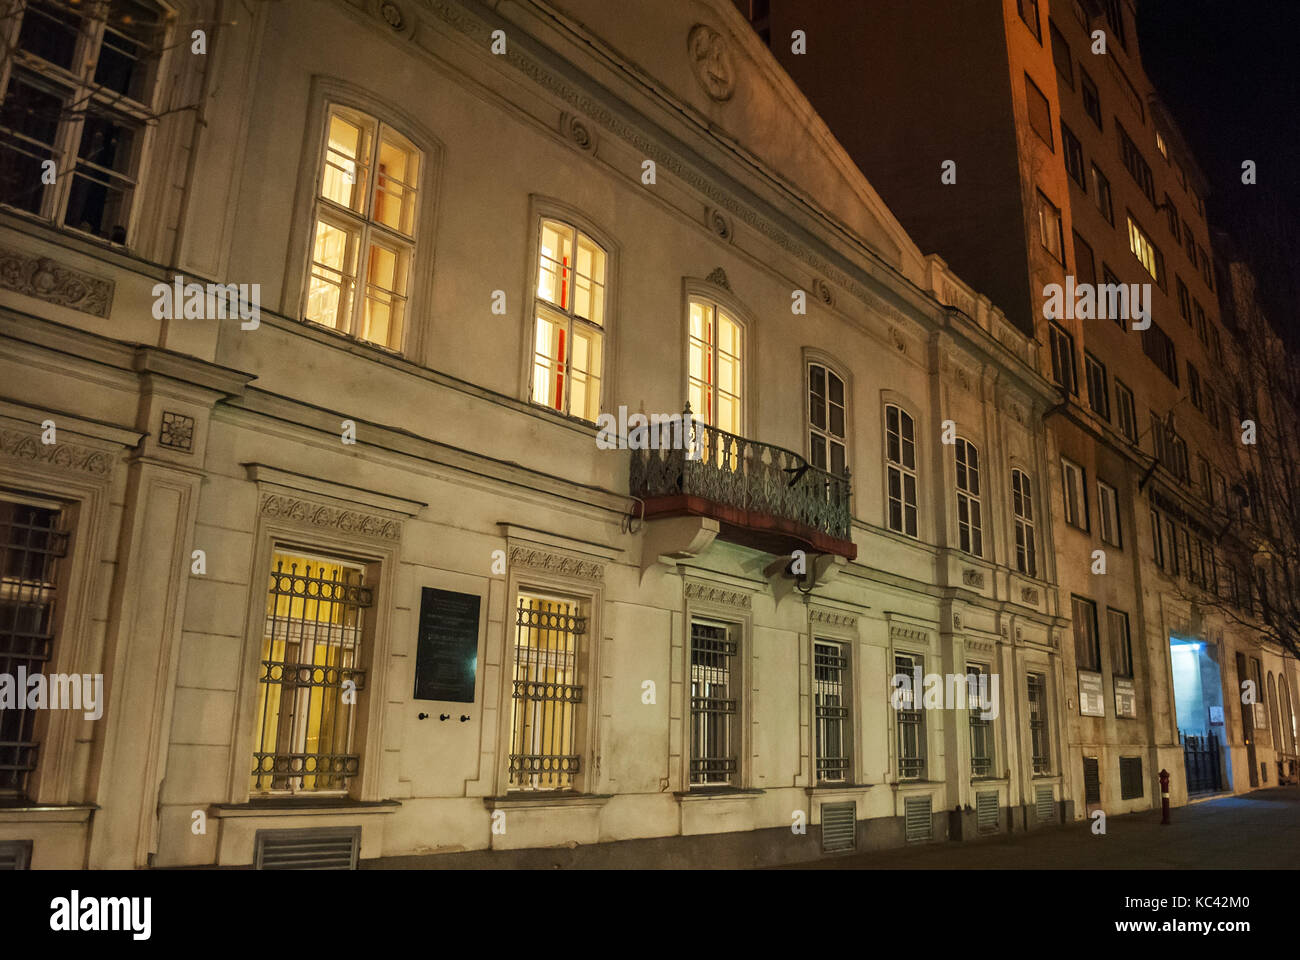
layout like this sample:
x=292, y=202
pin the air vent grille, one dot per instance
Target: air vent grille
x=839, y=827
x=918, y=819
x=1044, y=806
x=308, y=849
x=986, y=811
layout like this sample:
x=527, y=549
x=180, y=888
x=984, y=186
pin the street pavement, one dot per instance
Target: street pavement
x=1259, y=830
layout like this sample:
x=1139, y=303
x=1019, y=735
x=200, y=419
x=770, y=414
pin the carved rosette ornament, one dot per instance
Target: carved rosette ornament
x=711, y=61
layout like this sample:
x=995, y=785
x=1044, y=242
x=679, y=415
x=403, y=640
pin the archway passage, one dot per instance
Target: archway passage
x=1198, y=702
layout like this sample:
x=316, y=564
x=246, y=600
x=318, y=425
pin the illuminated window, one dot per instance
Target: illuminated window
x=364, y=229
x=716, y=378
x=1146, y=252
x=900, y=454
x=547, y=693
x=714, y=702
x=78, y=92
x=569, y=344
x=315, y=628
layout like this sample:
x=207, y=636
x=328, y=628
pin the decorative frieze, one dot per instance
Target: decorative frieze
x=51, y=281
x=66, y=456
x=973, y=578
x=712, y=593
x=833, y=618
x=556, y=564
x=281, y=507
x=912, y=634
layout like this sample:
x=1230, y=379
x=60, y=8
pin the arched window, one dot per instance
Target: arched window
x=970, y=529
x=569, y=342
x=363, y=235
x=715, y=348
x=900, y=456
x=827, y=420
x=1022, y=508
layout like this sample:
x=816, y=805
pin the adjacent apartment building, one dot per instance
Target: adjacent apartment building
x=348, y=348
x=1022, y=141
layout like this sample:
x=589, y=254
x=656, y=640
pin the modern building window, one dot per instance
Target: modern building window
x=1108, y=514
x=1160, y=349
x=1115, y=17
x=1063, y=371
x=78, y=93
x=1091, y=100
x=569, y=341
x=1121, y=647
x=969, y=524
x=1207, y=268
x=1022, y=508
x=1101, y=195
x=1171, y=217
x=1040, y=112
x=1136, y=164
x=364, y=233
x=1039, y=735
x=1028, y=10
x=548, y=695
x=1189, y=242
x=1098, y=393
x=716, y=378
x=1157, y=540
x=32, y=546
x=1075, y=494
x=1049, y=227
x=911, y=719
x=316, y=628
x=827, y=427
x=981, y=727
x=900, y=455
x=1126, y=413
x=1061, y=56
x=832, y=705
x=1146, y=252
x=1184, y=300
x=1194, y=386
x=1085, y=263
x=1087, y=648
x=714, y=702
x=1072, y=150
x=1202, y=323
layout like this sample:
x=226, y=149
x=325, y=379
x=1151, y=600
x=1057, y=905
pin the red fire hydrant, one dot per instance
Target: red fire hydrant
x=1164, y=798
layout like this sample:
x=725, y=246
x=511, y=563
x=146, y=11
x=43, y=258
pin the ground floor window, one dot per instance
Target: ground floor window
x=981, y=727
x=911, y=721
x=830, y=667
x=1038, y=732
x=547, y=695
x=713, y=704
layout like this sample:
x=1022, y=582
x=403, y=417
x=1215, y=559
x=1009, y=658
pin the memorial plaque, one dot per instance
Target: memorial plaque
x=1125, y=697
x=446, y=653
x=1092, y=701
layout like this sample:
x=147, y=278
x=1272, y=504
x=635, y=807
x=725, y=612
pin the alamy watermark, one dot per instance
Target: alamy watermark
x=54, y=691
x=208, y=301
x=946, y=691
x=1090, y=301
x=657, y=431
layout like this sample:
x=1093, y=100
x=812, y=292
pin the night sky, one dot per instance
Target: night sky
x=1230, y=74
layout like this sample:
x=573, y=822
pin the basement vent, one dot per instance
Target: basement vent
x=1044, y=808
x=1092, y=779
x=917, y=819
x=839, y=827
x=986, y=811
x=15, y=855
x=312, y=849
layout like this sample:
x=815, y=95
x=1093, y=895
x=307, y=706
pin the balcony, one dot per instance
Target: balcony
x=760, y=495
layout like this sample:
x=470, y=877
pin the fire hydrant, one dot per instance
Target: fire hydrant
x=1164, y=798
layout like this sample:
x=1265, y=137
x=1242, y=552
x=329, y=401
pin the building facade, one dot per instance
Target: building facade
x=1082, y=212
x=347, y=353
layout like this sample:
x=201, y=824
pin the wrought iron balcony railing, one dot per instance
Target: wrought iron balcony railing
x=758, y=478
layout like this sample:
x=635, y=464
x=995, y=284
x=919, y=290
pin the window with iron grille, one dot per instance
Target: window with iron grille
x=316, y=627
x=1022, y=506
x=911, y=719
x=981, y=727
x=79, y=94
x=569, y=311
x=1131, y=785
x=714, y=731
x=900, y=452
x=1087, y=649
x=1038, y=733
x=364, y=229
x=31, y=546
x=827, y=422
x=831, y=672
x=547, y=693
x=969, y=523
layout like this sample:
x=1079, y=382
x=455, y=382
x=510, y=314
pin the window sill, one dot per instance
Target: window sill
x=718, y=793
x=522, y=801
x=306, y=806
x=837, y=789
x=25, y=811
x=989, y=780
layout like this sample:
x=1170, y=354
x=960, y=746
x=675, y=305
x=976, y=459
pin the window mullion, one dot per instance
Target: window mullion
x=361, y=282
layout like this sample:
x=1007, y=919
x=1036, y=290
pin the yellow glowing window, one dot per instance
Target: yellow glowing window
x=715, y=378
x=309, y=674
x=568, y=344
x=363, y=239
x=547, y=693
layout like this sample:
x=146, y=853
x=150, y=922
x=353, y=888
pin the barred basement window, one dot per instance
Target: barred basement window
x=900, y=452
x=1022, y=505
x=79, y=93
x=911, y=721
x=1038, y=734
x=981, y=727
x=316, y=625
x=546, y=694
x=969, y=526
x=830, y=667
x=31, y=545
x=713, y=705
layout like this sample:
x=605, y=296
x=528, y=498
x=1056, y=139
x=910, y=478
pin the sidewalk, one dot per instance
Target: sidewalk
x=1259, y=830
